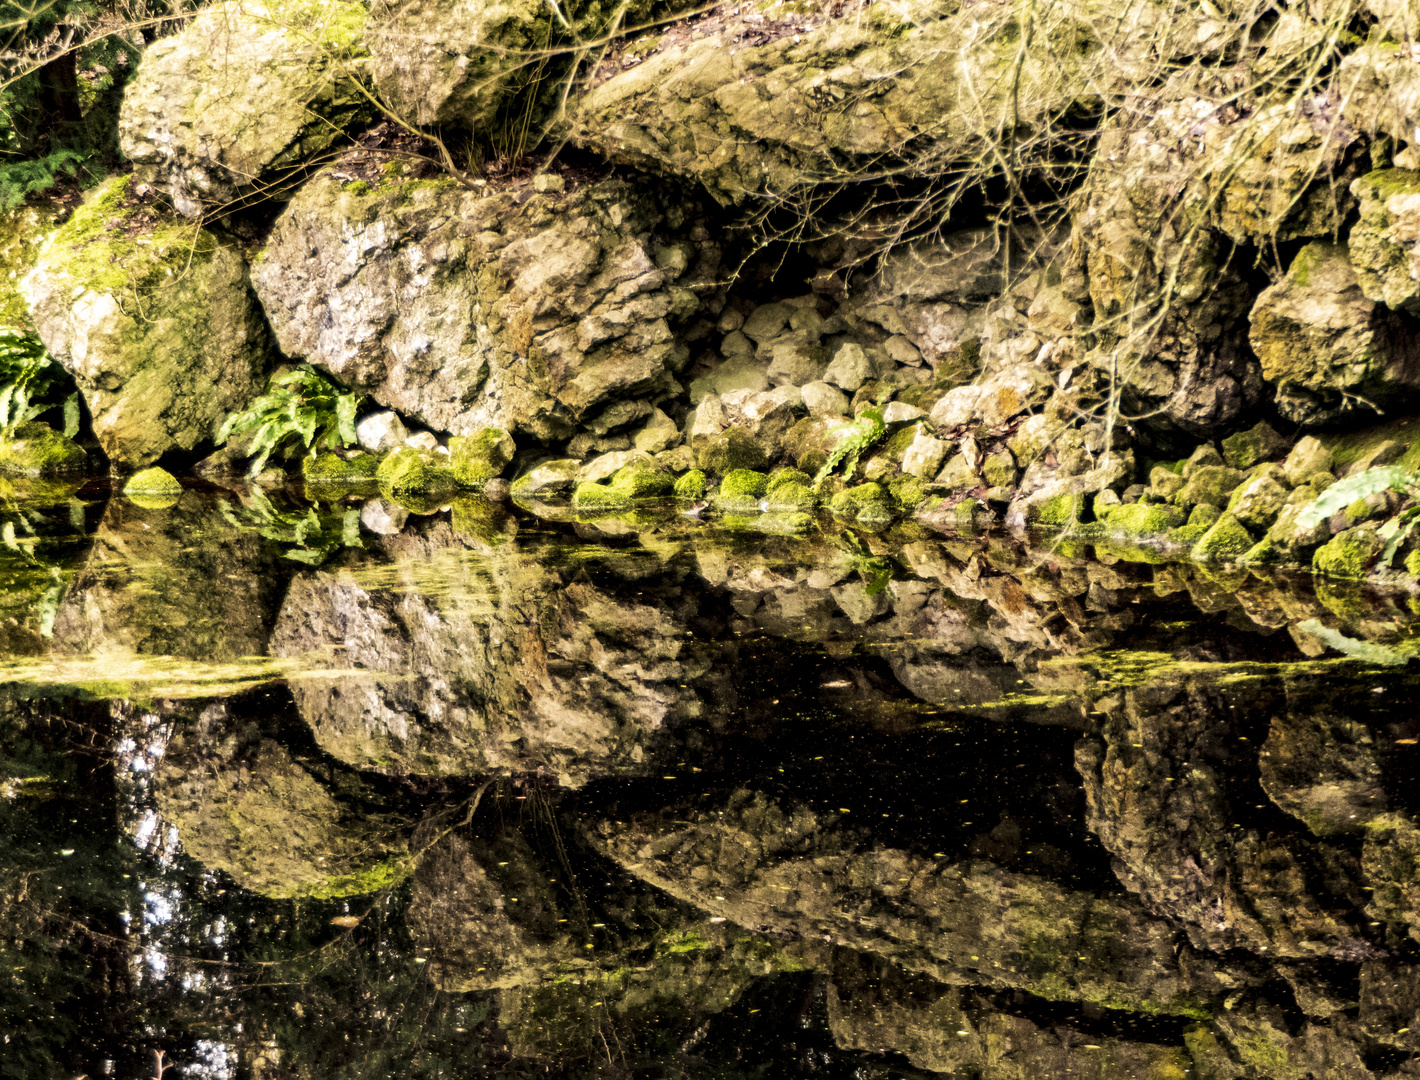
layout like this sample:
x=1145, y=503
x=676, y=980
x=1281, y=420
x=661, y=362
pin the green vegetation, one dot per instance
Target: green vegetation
x=32, y=383
x=309, y=536
x=300, y=407
x=853, y=439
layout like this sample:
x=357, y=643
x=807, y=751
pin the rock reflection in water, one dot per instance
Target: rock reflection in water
x=644, y=797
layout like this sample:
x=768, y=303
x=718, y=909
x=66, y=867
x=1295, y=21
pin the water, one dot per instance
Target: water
x=482, y=793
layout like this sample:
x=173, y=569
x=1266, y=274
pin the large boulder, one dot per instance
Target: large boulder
x=155, y=319
x=467, y=310
x=247, y=92
x=1384, y=244
x=1326, y=346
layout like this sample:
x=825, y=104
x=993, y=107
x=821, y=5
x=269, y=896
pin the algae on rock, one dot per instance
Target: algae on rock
x=154, y=318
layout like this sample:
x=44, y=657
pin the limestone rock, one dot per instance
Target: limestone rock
x=549, y=478
x=1384, y=245
x=989, y=403
x=381, y=432
x=1251, y=447
x=164, y=337
x=850, y=368
x=1305, y=460
x=660, y=433
x=924, y=455
x=243, y=96
x=1326, y=347
x=821, y=399
x=528, y=317
x=739, y=372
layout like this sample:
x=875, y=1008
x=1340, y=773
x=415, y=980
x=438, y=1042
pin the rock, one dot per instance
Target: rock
x=821, y=399
x=766, y=322
x=1384, y=245
x=729, y=450
x=742, y=372
x=381, y=432
x=1165, y=483
x=1204, y=456
x=901, y=351
x=849, y=368
x=383, y=518
x=767, y=415
x=740, y=491
x=616, y=415
x=1324, y=770
x=868, y=503
x=638, y=481
x=676, y=460
x=989, y=403
x=243, y=96
x=1211, y=484
x=1348, y=555
x=529, y=315
x=705, y=422
x=691, y=485
x=152, y=482
x=1306, y=459
x=924, y=455
x=426, y=442
x=899, y=412
x=1257, y=503
x=1258, y=444
x=958, y=472
x=1326, y=346
x=408, y=472
x=794, y=361
x=1225, y=540
x=36, y=449
x=200, y=350
x=549, y=478
x=999, y=469
x=477, y=459
x=660, y=433
x=608, y=465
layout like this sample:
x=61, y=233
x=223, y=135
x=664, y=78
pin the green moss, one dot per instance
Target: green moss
x=1225, y=540
x=477, y=459
x=1306, y=261
x=1210, y=484
x=790, y=496
x=897, y=445
x=154, y=481
x=407, y=472
x=865, y=502
x=1263, y=553
x=907, y=491
x=590, y=498
x=1258, y=444
x=355, y=187
x=37, y=450
x=1348, y=555
x=1412, y=563
x=1058, y=510
x=969, y=514
x=730, y=450
x=741, y=491
x=691, y=485
x=1383, y=183
x=331, y=468
x=475, y=517
x=383, y=875
x=1135, y=520
x=634, y=483
x=787, y=476
x=1349, y=447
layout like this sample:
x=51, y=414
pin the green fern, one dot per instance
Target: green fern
x=853, y=439
x=30, y=383
x=300, y=407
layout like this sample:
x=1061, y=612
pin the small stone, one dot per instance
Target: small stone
x=1348, y=555
x=958, y=473
x=1204, y=456
x=899, y=412
x=1225, y=541
x=902, y=351
x=153, y=481
x=822, y=399
x=736, y=346
x=794, y=362
x=1258, y=502
x=605, y=466
x=924, y=456
x=423, y=440
x=850, y=367
x=1165, y=483
x=706, y=422
x=548, y=184
x=549, y=478
x=660, y=433
x=741, y=372
x=1309, y=456
x=731, y=449
x=766, y=321
x=676, y=460
x=999, y=469
x=1209, y=484
x=730, y=320
x=383, y=518
x=476, y=459
x=381, y=432
x=1258, y=444
x=1387, y=453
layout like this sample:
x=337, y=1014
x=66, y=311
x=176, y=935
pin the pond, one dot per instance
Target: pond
x=304, y=790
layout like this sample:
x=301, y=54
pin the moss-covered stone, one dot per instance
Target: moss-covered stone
x=409, y=472
x=691, y=485
x=38, y=450
x=1257, y=502
x=638, y=481
x=549, y=478
x=1252, y=447
x=741, y=491
x=732, y=449
x=787, y=475
x=332, y=468
x=1412, y=563
x=1348, y=555
x=908, y=491
x=999, y=469
x=1204, y=514
x=1141, y=520
x=1211, y=484
x=477, y=459
x=1225, y=541
x=154, y=481
x=1058, y=510
x=1165, y=483
x=1263, y=553
x=789, y=496
x=594, y=498
x=865, y=502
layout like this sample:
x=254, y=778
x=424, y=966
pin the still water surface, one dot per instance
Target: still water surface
x=304, y=790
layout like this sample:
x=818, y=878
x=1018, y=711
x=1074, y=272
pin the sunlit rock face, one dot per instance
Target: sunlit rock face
x=180, y=581
x=243, y=804
x=465, y=310
x=452, y=661
x=1169, y=796
x=786, y=868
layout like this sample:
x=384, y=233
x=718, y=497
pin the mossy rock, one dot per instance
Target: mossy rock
x=153, y=489
x=549, y=478
x=477, y=459
x=1412, y=563
x=908, y=491
x=333, y=468
x=868, y=502
x=787, y=475
x=1348, y=555
x=741, y=491
x=1225, y=541
x=1063, y=509
x=38, y=450
x=409, y=472
x=1210, y=484
x=1140, y=520
x=732, y=449
x=691, y=485
x=1263, y=553
x=634, y=483
x=790, y=496
x=1252, y=447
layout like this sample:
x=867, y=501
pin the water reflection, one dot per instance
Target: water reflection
x=300, y=791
